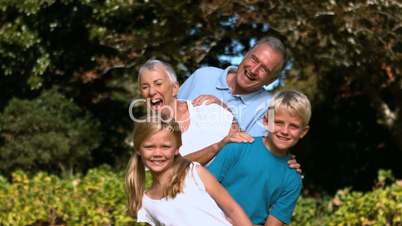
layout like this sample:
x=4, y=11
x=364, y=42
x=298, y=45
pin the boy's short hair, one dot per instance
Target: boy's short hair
x=293, y=102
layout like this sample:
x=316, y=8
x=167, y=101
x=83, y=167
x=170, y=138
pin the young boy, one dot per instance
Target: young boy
x=257, y=174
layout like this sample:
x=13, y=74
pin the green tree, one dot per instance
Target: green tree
x=346, y=56
x=91, y=50
x=47, y=133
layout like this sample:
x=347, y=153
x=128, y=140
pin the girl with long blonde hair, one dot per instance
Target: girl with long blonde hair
x=182, y=192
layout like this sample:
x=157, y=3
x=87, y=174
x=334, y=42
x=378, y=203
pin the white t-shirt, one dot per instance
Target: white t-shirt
x=209, y=124
x=193, y=207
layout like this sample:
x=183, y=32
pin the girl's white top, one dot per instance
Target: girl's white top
x=193, y=207
x=209, y=124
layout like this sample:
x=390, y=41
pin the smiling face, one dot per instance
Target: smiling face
x=158, y=151
x=156, y=86
x=288, y=130
x=258, y=68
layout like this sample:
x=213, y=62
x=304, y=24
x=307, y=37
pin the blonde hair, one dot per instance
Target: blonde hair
x=135, y=176
x=293, y=102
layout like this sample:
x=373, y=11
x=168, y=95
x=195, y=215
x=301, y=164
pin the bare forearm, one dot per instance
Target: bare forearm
x=273, y=221
x=238, y=217
x=205, y=155
x=232, y=210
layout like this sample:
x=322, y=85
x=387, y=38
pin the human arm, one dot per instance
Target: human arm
x=205, y=155
x=273, y=221
x=229, y=206
x=203, y=81
x=185, y=89
x=219, y=128
x=209, y=99
x=283, y=206
x=198, y=83
x=292, y=163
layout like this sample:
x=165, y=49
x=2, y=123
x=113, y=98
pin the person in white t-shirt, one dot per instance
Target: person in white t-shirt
x=182, y=192
x=205, y=128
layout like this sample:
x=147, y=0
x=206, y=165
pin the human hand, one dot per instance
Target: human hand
x=238, y=137
x=207, y=99
x=294, y=164
x=234, y=128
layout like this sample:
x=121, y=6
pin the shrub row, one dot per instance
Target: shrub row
x=99, y=199
x=95, y=199
x=379, y=207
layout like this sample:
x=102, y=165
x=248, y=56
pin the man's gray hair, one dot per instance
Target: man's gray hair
x=275, y=44
x=153, y=64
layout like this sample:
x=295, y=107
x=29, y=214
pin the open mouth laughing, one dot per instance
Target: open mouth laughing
x=155, y=102
x=251, y=76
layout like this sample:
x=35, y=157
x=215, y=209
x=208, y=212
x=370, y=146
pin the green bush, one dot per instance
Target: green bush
x=310, y=211
x=99, y=199
x=46, y=133
x=96, y=199
x=382, y=206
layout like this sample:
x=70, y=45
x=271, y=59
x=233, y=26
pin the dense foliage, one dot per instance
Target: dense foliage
x=95, y=199
x=345, y=55
x=381, y=206
x=99, y=199
x=47, y=133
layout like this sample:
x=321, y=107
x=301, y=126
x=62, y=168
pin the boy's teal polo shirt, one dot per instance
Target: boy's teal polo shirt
x=262, y=183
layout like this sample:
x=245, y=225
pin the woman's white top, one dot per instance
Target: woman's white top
x=209, y=124
x=193, y=207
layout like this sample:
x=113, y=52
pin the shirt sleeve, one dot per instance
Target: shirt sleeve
x=187, y=87
x=145, y=217
x=283, y=208
x=224, y=160
x=258, y=129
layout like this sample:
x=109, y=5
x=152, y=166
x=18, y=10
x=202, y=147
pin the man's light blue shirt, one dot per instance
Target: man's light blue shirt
x=262, y=183
x=247, y=109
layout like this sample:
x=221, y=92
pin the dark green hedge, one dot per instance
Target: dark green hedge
x=95, y=199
